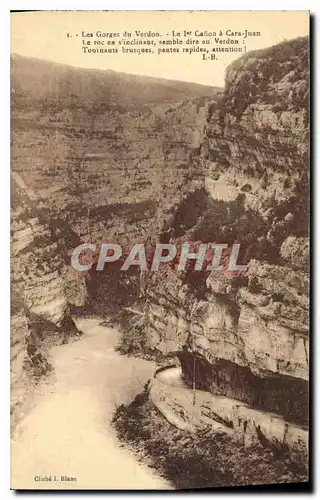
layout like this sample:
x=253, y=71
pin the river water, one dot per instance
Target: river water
x=68, y=430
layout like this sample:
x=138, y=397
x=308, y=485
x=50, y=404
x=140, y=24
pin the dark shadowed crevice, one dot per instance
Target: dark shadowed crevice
x=281, y=394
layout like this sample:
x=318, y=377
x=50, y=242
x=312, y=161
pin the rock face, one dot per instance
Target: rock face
x=249, y=333
x=257, y=136
x=112, y=153
x=96, y=156
x=201, y=410
x=210, y=168
x=40, y=304
x=18, y=355
x=39, y=244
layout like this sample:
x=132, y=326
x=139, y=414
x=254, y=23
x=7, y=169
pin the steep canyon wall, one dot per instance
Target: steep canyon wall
x=92, y=161
x=248, y=333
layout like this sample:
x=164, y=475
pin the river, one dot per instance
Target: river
x=68, y=431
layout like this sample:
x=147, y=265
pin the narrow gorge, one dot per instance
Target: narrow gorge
x=100, y=156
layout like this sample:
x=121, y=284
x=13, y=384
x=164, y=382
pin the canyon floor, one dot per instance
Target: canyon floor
x=68, y=431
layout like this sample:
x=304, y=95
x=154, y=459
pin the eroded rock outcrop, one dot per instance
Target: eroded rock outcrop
x=40, y=305
x=233, y=169
x=107, y=163
x=195, y=411
x=248, y=334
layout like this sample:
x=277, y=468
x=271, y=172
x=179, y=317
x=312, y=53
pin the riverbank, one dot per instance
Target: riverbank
x=198, y=460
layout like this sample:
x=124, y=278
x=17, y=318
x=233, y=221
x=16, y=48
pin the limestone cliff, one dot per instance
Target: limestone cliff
x=40, y=302
x=248, y=333
x=96, y=156
x=206, y=167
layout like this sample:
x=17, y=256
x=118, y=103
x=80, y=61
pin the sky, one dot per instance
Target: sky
x=44, y=35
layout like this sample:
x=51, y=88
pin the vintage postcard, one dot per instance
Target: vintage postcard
x=159, y=249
